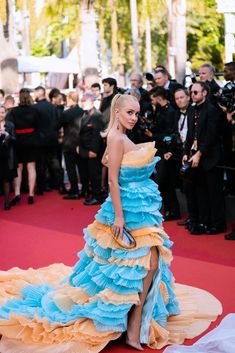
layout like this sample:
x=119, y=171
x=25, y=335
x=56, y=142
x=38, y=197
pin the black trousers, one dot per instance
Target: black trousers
x=49, y=170
x=208, y=187
x=90, y=174
x=72, y=165
x=230, y=173
x=167, y=179
x=191, y=198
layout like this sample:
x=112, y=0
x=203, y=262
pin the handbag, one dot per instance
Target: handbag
x=127, y=241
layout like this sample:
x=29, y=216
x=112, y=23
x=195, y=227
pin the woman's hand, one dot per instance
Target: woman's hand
x=117, y=227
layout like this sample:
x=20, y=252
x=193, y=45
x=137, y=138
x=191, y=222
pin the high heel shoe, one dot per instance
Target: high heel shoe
x=7, y=205
x=30, y=200
x=16, y=200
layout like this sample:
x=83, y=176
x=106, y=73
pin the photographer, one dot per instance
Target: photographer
x=203, y=151
x=226, y=101
x=182, y=100
x=136, y=81
x=207, y=73
x=162, y=80
x=231, y=121
x=141, y=132
x=163, y=131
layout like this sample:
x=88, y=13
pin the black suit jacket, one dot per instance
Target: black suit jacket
x=173, y=86
x=208, y=140
x=91, y=125
x=163, y=126
x=145, y=102
x=70, y=121
x=214, y=88
x=48, y=122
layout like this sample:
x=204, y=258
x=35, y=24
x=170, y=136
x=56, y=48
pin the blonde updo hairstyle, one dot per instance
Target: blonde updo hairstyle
x=118, y=102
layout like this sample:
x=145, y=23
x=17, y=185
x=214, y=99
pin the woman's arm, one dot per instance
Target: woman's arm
x=104, y=160
x=116, y=150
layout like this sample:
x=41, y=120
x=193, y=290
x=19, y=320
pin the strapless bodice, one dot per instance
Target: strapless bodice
x=138, y=165
x=143, y=154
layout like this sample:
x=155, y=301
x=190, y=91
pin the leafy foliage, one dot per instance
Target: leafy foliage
x=59, y=20
x=205, y=40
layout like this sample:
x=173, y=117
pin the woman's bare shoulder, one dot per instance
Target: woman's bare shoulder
x=115, y=138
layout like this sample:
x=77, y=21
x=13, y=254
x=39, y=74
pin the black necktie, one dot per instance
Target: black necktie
x=182, y=124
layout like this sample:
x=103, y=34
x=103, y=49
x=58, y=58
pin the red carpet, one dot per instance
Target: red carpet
x=51, y=231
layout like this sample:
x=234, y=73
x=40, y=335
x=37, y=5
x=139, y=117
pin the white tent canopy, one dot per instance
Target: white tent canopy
x=46, y=64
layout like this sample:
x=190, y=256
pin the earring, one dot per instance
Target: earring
x=117, y=124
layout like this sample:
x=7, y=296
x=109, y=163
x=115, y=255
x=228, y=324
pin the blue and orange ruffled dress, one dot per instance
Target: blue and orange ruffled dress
x=59, y=309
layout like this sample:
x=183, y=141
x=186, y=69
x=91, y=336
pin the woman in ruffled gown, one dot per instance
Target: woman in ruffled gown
x=110, y=290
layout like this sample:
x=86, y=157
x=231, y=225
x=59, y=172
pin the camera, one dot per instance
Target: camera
x=145, y=122
x=185, y=168
x=226, y=97
x=149, y=76
x=121, y=90
x=193, y=78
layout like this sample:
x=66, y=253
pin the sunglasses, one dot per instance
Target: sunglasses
x=195, y=92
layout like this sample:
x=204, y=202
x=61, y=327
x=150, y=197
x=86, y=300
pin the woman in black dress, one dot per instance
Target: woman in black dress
x=8, y=170
x=25, y=119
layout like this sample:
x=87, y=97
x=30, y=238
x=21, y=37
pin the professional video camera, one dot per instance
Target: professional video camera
x=226, y=97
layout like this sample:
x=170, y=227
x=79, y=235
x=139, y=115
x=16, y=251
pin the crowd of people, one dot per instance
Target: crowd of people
x=47, y=133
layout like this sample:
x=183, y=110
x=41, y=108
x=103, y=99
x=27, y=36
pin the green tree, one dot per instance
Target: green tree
x=205, y=39
x=204, y=31
x=153, y=32
x=58, y=20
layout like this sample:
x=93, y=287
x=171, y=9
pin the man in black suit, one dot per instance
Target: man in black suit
x=48, y=140
x=136, y=81
x=110, y=89
x=162, y=80
x=163, y=130
x=70, y=121
x=89, y=149
x=96, y=91
x=182, y=99
x=207, y=74
x=231, y=121
x=229, y=72
x=229, y=134
x=203, y=150
x=229, y=75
